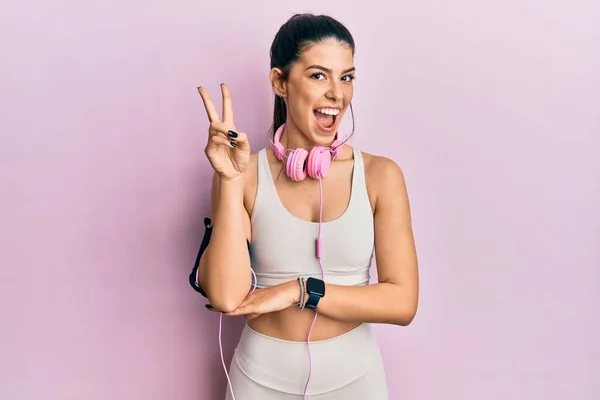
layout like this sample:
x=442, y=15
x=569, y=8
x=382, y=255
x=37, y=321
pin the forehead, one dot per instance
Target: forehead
x=330, y=54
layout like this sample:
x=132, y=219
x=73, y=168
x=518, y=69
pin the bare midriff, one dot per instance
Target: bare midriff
x=293, y=324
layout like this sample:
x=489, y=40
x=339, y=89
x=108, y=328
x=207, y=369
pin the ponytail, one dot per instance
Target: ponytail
x=279, y=113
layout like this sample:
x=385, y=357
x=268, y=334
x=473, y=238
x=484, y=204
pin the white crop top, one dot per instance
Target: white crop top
x=283, y=245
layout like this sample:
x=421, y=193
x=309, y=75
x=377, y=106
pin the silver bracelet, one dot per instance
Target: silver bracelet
x=300, y=304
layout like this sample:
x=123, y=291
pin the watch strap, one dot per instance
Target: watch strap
x=312, y=301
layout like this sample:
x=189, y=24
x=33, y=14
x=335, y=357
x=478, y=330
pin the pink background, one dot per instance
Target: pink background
x=492, y=109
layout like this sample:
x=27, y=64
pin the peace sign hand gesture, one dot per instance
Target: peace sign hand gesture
x=227, y=150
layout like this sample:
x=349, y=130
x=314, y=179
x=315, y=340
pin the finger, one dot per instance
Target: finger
x=241, y=139
x=222, y=141
x=221, y=128
x=237, y=136
x=242, y=310
x=211, y=111
x=227, y=106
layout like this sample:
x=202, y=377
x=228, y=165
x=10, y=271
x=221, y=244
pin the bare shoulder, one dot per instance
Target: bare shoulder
x=384, y=178
x=381, y=166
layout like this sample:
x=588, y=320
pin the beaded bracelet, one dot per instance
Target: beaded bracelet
x=301, y=304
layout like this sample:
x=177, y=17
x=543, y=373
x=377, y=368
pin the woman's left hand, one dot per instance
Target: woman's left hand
x=270, y=299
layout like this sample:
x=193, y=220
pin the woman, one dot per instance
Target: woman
x=351, y=206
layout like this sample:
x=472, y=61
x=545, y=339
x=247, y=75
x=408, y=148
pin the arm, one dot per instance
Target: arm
x=224, y=270
x=394, y=298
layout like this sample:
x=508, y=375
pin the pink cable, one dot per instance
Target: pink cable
x=319, y=257
x=220, y=339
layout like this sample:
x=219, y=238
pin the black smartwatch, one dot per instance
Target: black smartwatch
x=315, y=289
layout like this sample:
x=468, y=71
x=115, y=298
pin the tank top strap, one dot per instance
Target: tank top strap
x=359, y=196
x=264, y=173
x=266, y=193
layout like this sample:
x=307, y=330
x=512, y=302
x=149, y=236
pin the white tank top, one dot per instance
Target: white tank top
x=283, y=245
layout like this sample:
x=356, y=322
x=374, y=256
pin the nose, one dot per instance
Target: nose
x=335, y=91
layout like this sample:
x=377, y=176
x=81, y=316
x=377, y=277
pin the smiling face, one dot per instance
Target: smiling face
x=317, y=92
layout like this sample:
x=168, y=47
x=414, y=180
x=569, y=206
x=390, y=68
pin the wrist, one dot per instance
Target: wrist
x=293, y=290
x=231, y=190
x=316, y=290
x=297, y=293
x=237, y=181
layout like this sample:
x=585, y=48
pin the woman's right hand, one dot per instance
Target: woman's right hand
x=227, y=149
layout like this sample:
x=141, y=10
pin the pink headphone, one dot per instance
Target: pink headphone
x=301, y=162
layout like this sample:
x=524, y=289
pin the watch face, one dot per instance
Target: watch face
x=315, y=286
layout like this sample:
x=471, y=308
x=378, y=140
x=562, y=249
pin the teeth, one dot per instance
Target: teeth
x=328, y=111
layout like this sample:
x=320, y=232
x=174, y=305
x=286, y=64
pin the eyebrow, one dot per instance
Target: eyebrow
x=328, y=70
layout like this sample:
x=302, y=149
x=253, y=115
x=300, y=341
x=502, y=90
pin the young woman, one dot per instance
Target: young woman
x=312, y=210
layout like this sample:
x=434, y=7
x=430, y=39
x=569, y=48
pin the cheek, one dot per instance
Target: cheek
x=301, y=103
x=297, y=108
x=348, y=94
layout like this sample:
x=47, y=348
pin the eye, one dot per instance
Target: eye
x=321, y=76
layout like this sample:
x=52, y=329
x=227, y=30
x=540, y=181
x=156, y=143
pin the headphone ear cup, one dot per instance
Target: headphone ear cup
x=276, y=145
x=319, y=162
x=295, y=167
x=278, y=150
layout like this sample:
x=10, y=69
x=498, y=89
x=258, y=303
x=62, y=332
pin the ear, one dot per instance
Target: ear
x=277, y=82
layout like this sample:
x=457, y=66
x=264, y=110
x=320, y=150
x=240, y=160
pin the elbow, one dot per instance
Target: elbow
x=405, y=315
x=223, y=295
x=225, y=304
x=404, y=319
x=225, y=298
x=402, y=303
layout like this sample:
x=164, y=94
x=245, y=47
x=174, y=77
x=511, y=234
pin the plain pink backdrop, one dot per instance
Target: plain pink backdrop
x=491, y=108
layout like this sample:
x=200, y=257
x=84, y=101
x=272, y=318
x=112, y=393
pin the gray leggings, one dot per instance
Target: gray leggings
x=347, y=367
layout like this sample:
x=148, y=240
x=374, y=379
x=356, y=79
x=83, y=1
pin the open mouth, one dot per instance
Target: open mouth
x=326, y=117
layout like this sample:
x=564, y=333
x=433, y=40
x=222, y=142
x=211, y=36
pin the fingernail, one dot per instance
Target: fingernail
x=232, y=134
x=199, y=87
x=233, y=144
x=209, y=306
